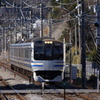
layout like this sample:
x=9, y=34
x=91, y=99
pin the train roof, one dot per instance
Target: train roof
x=40, y=38
x=20, y=44
x=28, y=42
x=37, y=39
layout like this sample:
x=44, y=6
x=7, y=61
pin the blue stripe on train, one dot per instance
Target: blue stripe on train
x=36, y=62
x=28, y=64
x=58, y=65
x=21, y=63
x=37, y=65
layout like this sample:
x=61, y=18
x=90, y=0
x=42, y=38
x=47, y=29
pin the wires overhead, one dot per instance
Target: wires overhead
x=67, y=3
x=12, y=5
x=24, y=3
x=30, y=6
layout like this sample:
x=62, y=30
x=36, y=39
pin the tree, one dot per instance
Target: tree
x=92, y=56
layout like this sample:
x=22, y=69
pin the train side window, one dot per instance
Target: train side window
x=23, y=53
x=20, y=52
x=29, y=52
x=15, y=52
x=26, y=53
x=10, y=51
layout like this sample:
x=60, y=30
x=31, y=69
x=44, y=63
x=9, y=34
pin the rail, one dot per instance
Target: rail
x=82, y=96
x=3, y=97
x=71, y=98
x=6, y=66
x=6, y=84
x=61, y=94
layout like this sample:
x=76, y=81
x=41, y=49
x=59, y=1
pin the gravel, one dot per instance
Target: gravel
x=43, y=97
x=9, y=77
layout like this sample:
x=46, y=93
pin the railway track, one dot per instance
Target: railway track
x=15, y=91
x=6, y=66
x=3, y=96
x=67, y=97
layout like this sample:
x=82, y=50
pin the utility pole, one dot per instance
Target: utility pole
x=2, y=31
x=41, y=19
x=75, y=40
x=97, y=24
x=83, y=55
x=5, y=38
x=49, y=25
x=79, y=35
x=70, y=56
x=49, y=20
x=15, y=30
x=21, y=21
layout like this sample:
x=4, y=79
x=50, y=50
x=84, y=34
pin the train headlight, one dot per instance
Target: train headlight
x=45, y=42
x=48, y=42
x=51, y=42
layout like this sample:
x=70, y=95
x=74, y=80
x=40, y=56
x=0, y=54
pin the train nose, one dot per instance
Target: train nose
x=52, y=65
x=48, y=65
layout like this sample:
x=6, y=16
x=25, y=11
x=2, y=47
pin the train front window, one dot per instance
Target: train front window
x=48, y=52
x=58, y=52
x=38, y=53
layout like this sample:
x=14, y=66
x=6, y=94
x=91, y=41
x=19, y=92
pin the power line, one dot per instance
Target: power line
x=66, y=4
x=11, y=4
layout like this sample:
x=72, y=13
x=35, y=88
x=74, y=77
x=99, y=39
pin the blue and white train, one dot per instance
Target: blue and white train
x=41, y=59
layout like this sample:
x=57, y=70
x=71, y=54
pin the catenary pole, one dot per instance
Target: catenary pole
x=78, y=11
x=97, y=24
x=83, y=55
x=41, y=18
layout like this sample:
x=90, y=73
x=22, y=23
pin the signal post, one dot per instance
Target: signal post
x=97, y=24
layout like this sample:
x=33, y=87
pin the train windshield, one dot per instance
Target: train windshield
x=58, y=52
x=48, y=52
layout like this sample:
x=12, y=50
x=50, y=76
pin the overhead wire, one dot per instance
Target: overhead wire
x=66, y=4
x=52, y=19
x=14, y=7
x=30, y=6
x=38, y=3
x=11, y=4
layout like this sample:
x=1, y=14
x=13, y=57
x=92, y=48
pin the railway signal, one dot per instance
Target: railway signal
x=97, y=24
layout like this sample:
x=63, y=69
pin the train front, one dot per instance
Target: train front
x=48, y=60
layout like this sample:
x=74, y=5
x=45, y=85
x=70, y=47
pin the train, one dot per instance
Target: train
x=41, y=59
